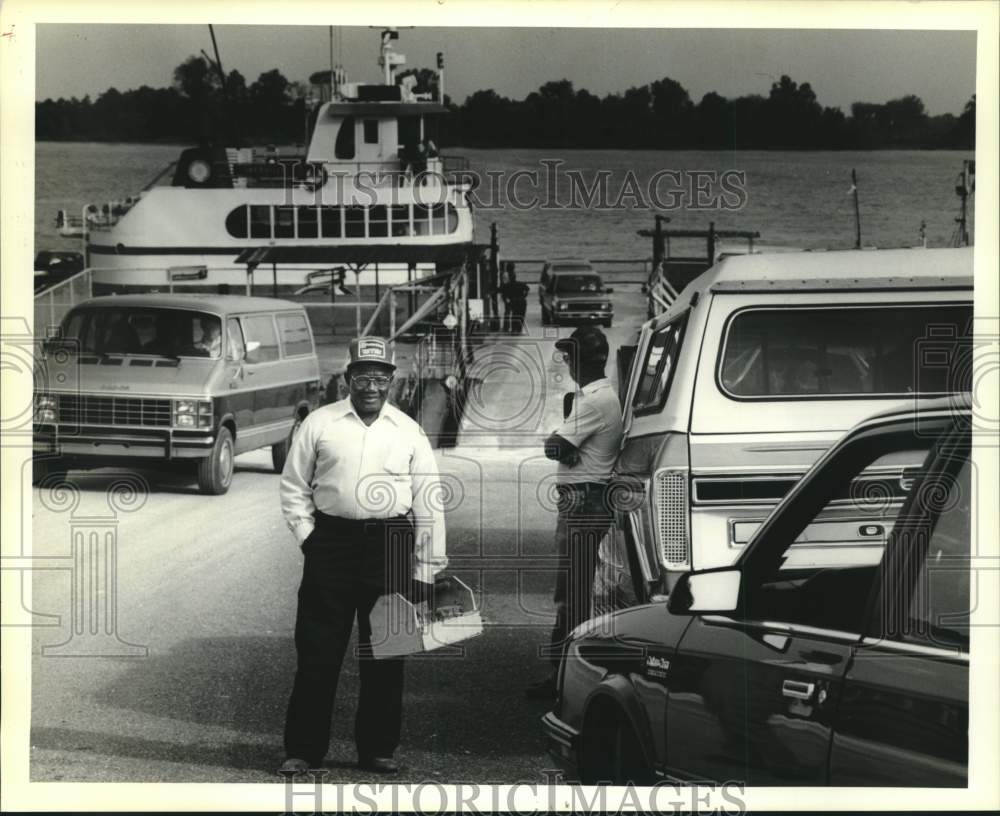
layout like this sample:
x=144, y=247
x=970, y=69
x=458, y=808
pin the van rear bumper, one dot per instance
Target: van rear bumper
x=99, y=442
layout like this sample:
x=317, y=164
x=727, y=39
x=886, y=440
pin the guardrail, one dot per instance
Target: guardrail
x=52, y=305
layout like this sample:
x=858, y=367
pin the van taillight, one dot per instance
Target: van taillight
x=670, y=517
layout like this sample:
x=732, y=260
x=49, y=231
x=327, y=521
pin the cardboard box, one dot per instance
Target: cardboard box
x=400, y=628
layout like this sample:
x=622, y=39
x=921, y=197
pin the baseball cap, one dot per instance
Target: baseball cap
x=370, y=350
x=588, y=341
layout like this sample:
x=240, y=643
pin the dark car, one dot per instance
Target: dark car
x=571, y=290
x=775, y=672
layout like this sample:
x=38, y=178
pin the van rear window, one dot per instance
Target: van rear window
x=864, y=351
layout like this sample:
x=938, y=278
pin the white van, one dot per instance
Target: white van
x=759, y=366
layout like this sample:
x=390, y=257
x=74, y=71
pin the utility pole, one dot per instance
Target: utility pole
x=857, y=211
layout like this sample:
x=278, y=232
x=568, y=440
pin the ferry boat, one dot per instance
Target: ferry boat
x=370, y=194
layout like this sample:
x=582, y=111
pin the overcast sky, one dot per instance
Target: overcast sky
x=842, y=66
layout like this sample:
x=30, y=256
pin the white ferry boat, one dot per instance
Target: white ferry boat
x=370, y=195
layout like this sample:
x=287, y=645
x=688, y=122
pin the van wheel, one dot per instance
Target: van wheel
x=279, y=450
x=215, y=471
x=50, y=471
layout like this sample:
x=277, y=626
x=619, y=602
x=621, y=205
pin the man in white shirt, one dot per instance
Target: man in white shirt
x=358, y=491
x=586, y=446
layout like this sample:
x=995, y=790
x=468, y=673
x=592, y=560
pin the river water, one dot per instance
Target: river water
x=791, y=198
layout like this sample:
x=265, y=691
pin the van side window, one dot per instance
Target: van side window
x=261, y=329
x=294, y=332
x=658, y=367
x=847, y=351
x=237, y=349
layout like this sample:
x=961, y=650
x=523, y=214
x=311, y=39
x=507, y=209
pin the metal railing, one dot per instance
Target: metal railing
x=52, y=305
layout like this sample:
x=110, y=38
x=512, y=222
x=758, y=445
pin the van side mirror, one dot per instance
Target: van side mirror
x=706, y=592
x=251, y=352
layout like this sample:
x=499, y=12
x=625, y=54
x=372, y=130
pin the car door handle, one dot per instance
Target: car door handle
x=798, y=689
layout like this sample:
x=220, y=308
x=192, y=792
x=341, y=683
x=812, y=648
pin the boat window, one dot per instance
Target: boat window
x=658, y=368
x=439, y=225
x=308, y=227
x=343, y=148
x=421, y=219
x=331, y=221
x=261, y=329
x=378, y=226
x=813, y=352
x=354, y=225
x=260, y=221
x=295, y=338
x=236, y=222
x=452, y=218
x=284, y=222
x=371, y=131
x=409, y=132
x=400, y=220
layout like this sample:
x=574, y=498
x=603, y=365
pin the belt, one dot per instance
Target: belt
x=328, y=522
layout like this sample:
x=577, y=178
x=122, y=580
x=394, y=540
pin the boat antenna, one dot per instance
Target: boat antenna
x=217, y=64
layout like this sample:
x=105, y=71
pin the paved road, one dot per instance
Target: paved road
x=206, y=586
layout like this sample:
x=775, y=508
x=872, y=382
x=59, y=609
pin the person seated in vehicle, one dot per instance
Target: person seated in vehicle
x=210, y=344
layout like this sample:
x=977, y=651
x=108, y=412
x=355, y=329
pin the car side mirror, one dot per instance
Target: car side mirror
x=608, y=290
x=251, y=353
x=706, y=592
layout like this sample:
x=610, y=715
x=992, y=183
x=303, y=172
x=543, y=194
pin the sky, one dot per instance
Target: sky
x=842, y=66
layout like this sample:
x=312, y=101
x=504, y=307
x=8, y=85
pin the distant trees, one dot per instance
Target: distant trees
x=199, y=107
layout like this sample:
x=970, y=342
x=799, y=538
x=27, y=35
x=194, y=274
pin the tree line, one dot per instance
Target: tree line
x=201, y=107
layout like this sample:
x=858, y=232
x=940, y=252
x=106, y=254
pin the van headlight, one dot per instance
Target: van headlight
x=190, y=413
x=46, y=409
x=563, y=306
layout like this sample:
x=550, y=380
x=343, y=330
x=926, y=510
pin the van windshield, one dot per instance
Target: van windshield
x=161, y=332
x=578, y=283
x=844, y=351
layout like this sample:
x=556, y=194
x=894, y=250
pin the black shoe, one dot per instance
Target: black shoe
x=379, y=765
x=294, y=766
x=542, y=690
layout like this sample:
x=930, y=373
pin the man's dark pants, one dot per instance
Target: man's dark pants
x=584, y=517
x=348, y=565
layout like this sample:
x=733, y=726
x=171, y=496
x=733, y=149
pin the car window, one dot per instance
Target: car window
x=578, y=283
x=237, y=349
x=810, y=352
x=295, y=337
x=145, y=331
x=658, y=367
x=261, y=329
x=939, y=604
x=823, y=578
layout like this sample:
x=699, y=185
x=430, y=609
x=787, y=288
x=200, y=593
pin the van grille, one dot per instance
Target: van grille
x=91, y=410
x=672, y=517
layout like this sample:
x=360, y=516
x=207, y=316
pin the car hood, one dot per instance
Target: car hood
x=581, y=295
x=648, y=624
x=128, y=375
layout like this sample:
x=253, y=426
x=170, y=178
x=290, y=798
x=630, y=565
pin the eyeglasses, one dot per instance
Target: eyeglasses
x=362, y=382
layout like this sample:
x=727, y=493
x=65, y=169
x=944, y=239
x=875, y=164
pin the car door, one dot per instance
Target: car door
x=904, y=715
x=754, y=695
x=237, y=395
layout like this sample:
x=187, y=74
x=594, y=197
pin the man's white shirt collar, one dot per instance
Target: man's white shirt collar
x=342, y=408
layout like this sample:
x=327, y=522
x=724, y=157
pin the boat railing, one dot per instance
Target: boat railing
x=52, y=304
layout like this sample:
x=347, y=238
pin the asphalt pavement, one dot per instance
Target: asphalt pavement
x=164, y=652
